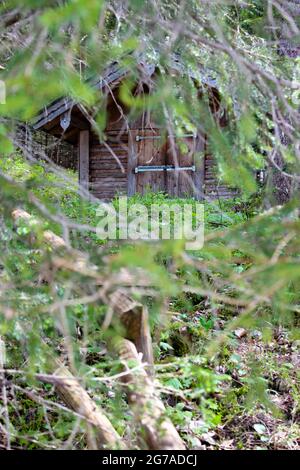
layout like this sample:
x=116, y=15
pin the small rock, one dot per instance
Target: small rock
x=227, y=444
x=260, y=428
x=256, y=334
x=240, y=332
x=208, y=437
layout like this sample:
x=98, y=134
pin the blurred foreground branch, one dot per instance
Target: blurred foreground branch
x=76, y=397
x=150, y=414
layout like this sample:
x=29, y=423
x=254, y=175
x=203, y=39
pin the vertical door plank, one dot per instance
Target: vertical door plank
x=186, y=158
x=132, y=163
x=199, y=175
x=147, y=158
x=151, y=152
x=159, y=152
x=172, y=178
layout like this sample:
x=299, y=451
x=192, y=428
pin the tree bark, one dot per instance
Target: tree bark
x=156, y=431
x=76, y=398
x=134, y=318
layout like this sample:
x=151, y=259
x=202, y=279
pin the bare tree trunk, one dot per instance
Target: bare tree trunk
x=76, y=398
x=134, y=318
x=156, y=431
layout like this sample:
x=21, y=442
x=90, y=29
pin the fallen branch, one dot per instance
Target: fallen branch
x=134, y=318
x=101, y=433
x=157, y=431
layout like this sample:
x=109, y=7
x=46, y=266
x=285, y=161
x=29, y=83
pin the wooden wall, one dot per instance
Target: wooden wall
x=108, y=165
x=213, y=187
x=108, y=160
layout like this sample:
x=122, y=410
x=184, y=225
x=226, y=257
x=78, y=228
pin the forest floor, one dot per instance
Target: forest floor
x=263, y=415
x=258, y=403
x=245, y=396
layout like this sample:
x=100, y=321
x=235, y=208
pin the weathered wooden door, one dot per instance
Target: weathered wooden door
x=162, y=165
x=151, y=160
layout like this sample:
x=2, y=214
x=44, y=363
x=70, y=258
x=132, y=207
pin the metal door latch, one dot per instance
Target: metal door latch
x=143, y=169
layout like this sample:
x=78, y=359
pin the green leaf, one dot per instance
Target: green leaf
x=260, y=428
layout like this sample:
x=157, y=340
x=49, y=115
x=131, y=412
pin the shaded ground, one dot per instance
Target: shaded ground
x=259, y=402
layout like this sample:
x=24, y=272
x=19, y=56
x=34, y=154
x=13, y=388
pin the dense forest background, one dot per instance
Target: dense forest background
x=74, y=310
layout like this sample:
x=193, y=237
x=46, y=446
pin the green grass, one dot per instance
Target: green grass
x=60, y=191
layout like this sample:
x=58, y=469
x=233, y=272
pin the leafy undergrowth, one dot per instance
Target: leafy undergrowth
x=57, y=188
x=244, y=397
x=238, y=390
x=211, y=402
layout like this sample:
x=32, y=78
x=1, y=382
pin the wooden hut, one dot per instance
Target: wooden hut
x=133, y=157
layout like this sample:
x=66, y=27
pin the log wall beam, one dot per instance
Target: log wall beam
x=84, y=158
x=199, y=175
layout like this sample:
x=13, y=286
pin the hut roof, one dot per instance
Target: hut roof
x=113, y=74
